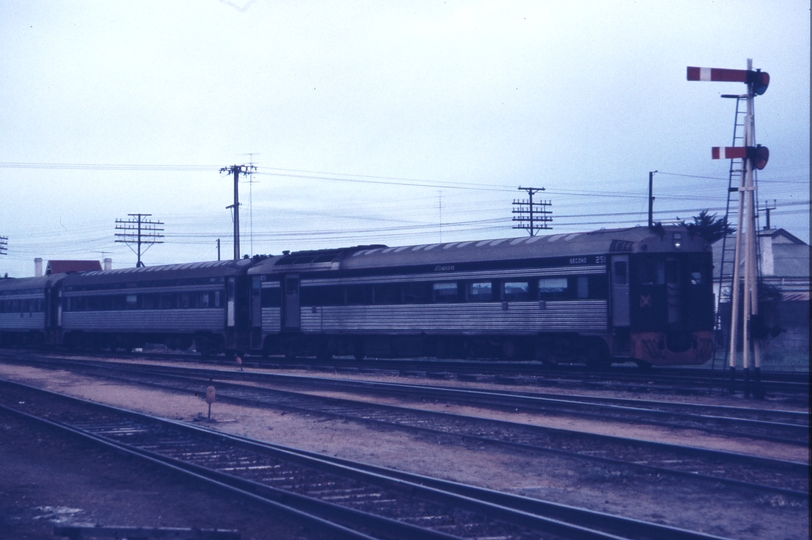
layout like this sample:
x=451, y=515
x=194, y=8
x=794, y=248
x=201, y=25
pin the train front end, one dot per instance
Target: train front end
x=662, y=298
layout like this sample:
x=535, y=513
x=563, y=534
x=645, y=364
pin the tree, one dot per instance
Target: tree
x=708, y=227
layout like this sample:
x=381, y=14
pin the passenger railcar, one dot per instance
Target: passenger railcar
x=205, y=304
x=642, y=294
x=28, y=308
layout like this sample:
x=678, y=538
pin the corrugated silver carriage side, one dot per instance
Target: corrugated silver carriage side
x=204, y=304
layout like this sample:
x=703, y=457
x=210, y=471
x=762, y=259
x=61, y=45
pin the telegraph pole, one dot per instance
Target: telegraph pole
x=767, y=210
x=237, y=170
x=3, y=245
x=531, y=216
x=651, y=199
x=139, y=231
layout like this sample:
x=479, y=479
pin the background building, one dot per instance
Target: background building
x=784, y=292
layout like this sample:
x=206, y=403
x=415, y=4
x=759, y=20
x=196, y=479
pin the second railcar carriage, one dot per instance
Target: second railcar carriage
x=205, y=304
x=28, y=310
x=641, y=294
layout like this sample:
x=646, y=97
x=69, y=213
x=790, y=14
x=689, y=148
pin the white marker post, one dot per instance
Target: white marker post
x=210, y=398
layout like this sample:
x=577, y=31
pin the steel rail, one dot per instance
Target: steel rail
x=408, y=419
x=525, y=512
x=721, y=421
x=692, y=379
x=793, y=421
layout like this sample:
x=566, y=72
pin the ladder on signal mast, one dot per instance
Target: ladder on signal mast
x=736, y=180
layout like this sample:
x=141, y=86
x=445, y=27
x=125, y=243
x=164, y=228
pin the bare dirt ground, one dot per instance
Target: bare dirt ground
x=708, y=508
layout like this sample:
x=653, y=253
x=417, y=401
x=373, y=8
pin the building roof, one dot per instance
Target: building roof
x=63, y=267
x=781, y=236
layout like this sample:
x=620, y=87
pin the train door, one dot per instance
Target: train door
x=673, y=292
x=256, y=302
x=620, y=290
x=291, y=316
x=231, y=311
x=256, y=312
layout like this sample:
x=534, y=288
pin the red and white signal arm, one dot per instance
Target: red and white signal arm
x=759, y=155
x=759, y=79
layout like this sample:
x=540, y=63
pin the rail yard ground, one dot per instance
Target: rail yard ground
x=40, y=476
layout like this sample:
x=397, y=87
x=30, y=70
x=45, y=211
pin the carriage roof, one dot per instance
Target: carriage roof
x=601, y=242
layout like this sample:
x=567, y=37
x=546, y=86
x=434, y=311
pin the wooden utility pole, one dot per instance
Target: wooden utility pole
x=236, y=170
x=651, y=199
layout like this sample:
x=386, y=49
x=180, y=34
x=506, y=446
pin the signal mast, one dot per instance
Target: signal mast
x=754, y=157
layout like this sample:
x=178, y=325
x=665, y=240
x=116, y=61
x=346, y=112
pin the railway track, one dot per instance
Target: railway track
x=775, y=425
x=354, y=501
x=759, y=474
x=791, y=386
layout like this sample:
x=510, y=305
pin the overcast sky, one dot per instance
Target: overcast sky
x=382, y=121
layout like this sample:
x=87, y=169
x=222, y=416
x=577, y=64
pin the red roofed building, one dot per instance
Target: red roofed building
x=63, y=267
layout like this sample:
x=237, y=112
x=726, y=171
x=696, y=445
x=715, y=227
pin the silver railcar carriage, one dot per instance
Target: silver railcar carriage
x=204, y=303
x=642, y=294
x=28, y=314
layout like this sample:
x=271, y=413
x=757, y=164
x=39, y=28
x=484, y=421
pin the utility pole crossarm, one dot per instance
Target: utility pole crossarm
x=139, y=231
x=531, y=216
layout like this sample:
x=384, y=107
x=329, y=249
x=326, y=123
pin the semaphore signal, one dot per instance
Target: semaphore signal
x=758, y=155
x=759, y=80
x=753, y=157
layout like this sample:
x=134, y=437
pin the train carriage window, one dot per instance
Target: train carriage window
x=148, y=301
x=513, y=291
x=15, y=306
x=416, y=293
x=217, y=299
x=132, y=301
x=167, y=301
x=652, y=272
x=359, y=295
x=271, y=297
x=598, y=287
x=621, y=273
x=118, y=302
x=444, y=293
x=185, y=300
x=387, y=293
x=552, y=288
x=480, y=291
x=321, y=295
